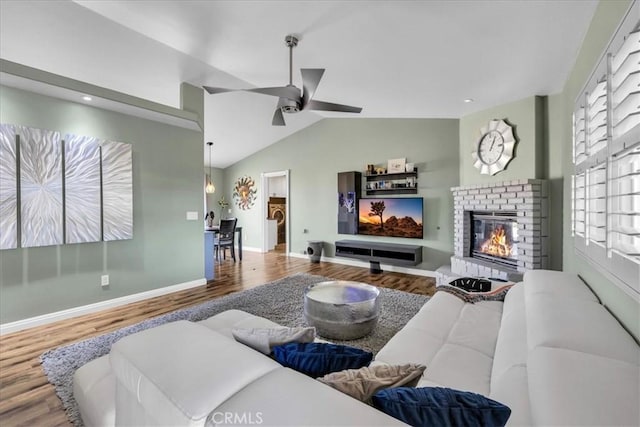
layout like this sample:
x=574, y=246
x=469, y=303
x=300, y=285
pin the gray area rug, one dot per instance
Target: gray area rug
x=280, y=301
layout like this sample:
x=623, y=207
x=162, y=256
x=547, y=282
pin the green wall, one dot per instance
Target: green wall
x=527, y=122
x=316, y=154
x=606, y=19
x=166, y=249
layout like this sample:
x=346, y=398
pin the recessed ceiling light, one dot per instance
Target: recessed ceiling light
x=86, y=98
x=468, y=100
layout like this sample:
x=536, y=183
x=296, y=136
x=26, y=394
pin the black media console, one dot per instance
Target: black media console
x=377, y=252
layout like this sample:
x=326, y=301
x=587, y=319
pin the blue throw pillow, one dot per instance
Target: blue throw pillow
x=319, y=359
x=438, y=406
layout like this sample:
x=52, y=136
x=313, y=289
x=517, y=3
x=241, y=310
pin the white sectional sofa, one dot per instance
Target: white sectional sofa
x=551, y=352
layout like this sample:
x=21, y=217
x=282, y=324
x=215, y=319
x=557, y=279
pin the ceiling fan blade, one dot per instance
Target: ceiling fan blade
x=328, y=106
x=278, y=118
x=310, y=80
x=214, y=90
x=288, y=92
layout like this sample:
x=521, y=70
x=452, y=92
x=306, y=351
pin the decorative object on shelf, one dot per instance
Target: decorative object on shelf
x=396, y=165
x=244, y=193
x=494, y=147
x=380, y=171
x=223, y=205
x=209, y=219
x=210, y=188
x=392, y=183
x=371, y=170
x=409, y=167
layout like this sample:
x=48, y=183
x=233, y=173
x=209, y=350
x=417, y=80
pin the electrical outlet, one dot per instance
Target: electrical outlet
x=104, y=280
x=229, y=210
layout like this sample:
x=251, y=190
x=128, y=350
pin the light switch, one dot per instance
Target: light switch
x=192, y=216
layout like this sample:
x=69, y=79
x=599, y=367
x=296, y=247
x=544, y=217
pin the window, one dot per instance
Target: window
x=605, y=203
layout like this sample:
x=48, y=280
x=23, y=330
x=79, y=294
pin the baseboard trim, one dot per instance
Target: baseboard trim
x=7, y=328
x=357, y=263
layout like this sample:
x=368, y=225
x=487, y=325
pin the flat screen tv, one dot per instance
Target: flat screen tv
x=392, y=217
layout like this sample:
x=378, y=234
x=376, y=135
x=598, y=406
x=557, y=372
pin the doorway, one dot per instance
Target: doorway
x=275, y=211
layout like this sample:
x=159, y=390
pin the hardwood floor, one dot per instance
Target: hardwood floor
x=27, y=399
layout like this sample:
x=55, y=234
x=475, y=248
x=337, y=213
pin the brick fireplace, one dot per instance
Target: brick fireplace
x=500, y=230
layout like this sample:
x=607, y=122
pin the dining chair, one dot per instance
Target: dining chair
x=226, y=238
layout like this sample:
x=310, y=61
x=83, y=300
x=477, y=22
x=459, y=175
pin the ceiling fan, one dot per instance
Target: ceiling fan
x=291, y=100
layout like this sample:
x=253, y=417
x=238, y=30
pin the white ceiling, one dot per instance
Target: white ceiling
x=416, y=59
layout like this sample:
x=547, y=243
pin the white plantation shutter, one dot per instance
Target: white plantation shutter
x=580, y=204
x=625, y=86
x=606, y=153
x=625, y=204
x=597, y=117
x=579, y=136
x=597, y=204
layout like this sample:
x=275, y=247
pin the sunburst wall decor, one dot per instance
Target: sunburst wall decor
x=244, y=192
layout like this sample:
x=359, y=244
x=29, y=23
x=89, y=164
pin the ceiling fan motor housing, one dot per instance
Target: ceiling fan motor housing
x=290, y=105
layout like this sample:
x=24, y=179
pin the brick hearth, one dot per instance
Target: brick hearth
x=528, y=198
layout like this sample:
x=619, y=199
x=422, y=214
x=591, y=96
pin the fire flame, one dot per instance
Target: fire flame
x=497, y=244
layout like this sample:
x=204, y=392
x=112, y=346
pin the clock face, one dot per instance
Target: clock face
x=491, y=147
x=494, y=148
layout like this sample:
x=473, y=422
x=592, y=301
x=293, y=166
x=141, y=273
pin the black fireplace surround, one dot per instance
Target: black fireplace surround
x=494, y=237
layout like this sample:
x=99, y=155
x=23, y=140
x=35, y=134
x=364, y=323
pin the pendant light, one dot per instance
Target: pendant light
x=210, y=188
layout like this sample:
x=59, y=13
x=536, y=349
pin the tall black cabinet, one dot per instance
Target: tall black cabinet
x=349, y=192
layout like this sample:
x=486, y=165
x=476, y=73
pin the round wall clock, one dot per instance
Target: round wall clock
x=494, y=147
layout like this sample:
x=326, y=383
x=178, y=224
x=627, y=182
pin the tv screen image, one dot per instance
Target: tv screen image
x=392, y=217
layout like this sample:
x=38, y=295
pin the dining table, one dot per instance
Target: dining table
x=210, y=234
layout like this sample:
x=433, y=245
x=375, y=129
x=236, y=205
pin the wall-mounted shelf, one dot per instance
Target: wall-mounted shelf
x=392, y=183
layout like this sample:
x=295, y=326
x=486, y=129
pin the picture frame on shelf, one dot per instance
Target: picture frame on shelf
x=396, y=165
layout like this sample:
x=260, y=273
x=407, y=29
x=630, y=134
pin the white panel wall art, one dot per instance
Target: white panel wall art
x=8, y=188
x=40, y=187
x=117, y=191
x=82, y=189
x=53, y=191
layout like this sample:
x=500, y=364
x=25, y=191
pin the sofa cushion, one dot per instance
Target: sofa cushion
x=438, y=406
x=567, y=387
x=557, y=283
x=456, y=341
x=579, y=325
x=285, y=398
x=94, y=389
x=365, y=382
x=229, y=320
x=509, y=383
x=264, y=339
x=184, y=385
x=319, y=359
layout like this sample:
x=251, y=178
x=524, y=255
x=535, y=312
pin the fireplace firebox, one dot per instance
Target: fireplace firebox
x=494, y=237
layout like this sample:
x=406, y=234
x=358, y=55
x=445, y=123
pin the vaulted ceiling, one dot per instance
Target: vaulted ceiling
x=415, y=59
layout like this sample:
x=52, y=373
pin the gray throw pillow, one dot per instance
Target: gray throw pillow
x=365, y=382
x=264, y=339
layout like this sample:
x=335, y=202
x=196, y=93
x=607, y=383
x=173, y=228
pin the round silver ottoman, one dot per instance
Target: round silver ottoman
x=342, y=310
